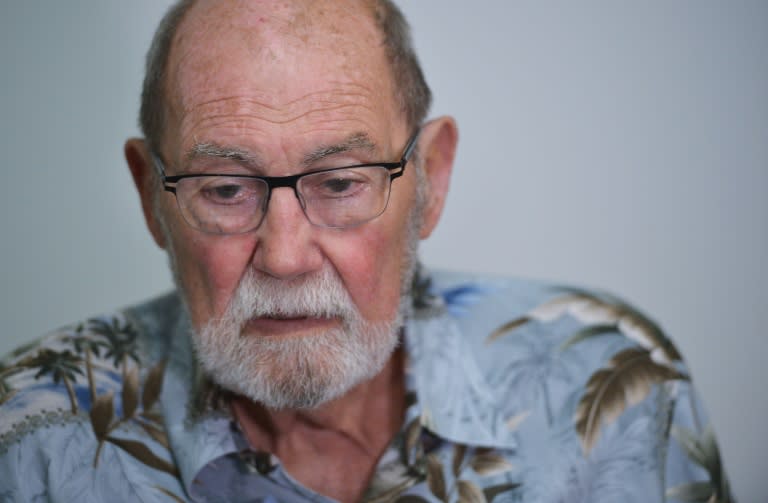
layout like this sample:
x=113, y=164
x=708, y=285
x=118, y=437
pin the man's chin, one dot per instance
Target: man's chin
x=298, y=370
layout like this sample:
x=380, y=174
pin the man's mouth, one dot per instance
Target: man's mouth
x=287, y=325
x=285, y=317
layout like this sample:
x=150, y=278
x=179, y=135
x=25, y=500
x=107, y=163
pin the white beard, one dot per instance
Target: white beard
x=294, y=372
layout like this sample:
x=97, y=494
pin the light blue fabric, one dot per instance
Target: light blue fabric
x=80, y=418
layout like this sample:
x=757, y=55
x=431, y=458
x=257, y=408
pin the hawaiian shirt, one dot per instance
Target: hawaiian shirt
x=517, y=391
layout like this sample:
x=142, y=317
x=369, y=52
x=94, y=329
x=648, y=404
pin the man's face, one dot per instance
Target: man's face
x=282, y=84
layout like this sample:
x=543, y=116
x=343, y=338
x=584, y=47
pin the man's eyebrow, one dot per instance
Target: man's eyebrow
x=355, y=141
x=238, y=155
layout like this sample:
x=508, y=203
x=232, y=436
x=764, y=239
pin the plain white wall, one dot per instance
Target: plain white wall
x=614, y=144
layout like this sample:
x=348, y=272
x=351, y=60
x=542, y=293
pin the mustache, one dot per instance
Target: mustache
x=320, y=295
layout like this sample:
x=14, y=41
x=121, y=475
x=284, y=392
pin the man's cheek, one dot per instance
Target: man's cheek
x=221, y=275
x=373, y=280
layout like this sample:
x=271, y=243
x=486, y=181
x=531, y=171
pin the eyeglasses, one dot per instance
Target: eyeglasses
x=338, y=198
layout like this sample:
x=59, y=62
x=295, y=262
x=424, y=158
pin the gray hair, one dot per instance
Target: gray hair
x=412, y=93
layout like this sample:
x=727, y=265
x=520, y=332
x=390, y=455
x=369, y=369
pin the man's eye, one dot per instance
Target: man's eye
x=226, y=192
x=337, y=185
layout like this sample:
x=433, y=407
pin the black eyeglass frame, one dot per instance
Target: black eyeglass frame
x=292, y=181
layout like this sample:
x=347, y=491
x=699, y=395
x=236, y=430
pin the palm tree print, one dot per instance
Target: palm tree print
x=90, y=346
x=445, y=476
x=63, y=366
x=121, y=336
x=534, y=365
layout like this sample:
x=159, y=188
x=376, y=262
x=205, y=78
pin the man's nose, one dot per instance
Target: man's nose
x=286, y=248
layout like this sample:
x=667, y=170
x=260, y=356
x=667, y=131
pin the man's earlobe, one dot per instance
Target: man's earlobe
x=140, y=163
x=439, y=138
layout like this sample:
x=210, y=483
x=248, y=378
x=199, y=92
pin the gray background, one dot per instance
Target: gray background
x=614, y=144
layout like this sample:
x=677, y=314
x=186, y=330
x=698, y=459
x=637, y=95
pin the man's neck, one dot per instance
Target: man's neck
x=355, y=428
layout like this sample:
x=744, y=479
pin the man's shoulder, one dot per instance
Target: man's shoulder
x=495, y=312
x=536, y=345
x=59, y=374
x=535, y=349
x=84, y=396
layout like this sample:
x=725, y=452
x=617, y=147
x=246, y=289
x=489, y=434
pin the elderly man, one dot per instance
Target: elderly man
x=288, y=171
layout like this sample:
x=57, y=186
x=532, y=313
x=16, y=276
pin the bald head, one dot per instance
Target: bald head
x=268, y=31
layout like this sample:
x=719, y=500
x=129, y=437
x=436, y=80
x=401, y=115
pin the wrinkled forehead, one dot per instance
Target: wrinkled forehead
x=279, y=50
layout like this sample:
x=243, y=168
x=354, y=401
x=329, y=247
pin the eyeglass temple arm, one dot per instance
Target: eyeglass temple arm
x=160, y=170
x=412, y=143
x=409, y=148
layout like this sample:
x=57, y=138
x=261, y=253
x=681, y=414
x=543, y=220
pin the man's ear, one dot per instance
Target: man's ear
x=140, y=163
x=438, y=141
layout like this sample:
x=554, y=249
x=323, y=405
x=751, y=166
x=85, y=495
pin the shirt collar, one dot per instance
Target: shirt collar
x=197, y=434
x=452, y=392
